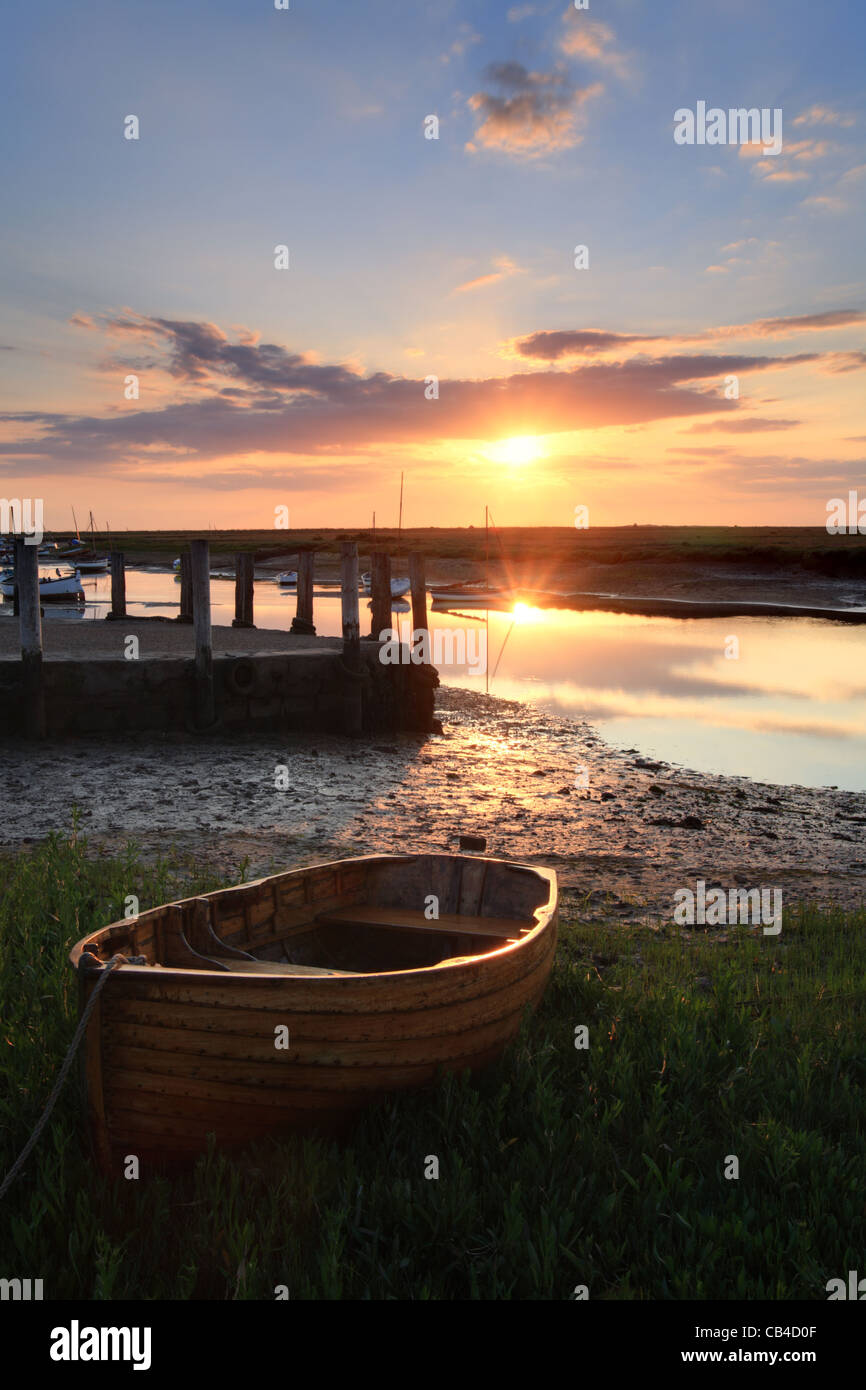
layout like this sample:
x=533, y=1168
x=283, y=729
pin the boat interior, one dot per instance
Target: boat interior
x=358, y=916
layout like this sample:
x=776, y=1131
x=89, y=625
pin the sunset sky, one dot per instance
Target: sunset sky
x=411, y=258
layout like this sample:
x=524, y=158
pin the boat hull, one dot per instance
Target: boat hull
x=176, y=1054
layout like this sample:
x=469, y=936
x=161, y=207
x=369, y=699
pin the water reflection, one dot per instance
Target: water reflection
x=788, y=707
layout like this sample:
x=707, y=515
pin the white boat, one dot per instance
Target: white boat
x=288, y=579
x=399, y=587
x=56, y=586
x=99, y=564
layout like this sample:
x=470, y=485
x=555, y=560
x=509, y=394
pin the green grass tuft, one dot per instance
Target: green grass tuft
x=558, y=1167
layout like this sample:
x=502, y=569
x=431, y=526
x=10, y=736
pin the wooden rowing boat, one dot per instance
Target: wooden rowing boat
x=290, y=1004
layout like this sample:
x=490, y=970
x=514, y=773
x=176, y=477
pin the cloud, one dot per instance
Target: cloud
x=466, y=36
x=594, y=42
x=810, y=149
x=812, y=477
x=281, y=403
x=822, y=115
x=551, y=345
x=773, y=174
x=519, y=12
x=810, y=323
x=825, y=203
x=750, y=424
x=534, y=114
x=505, y=267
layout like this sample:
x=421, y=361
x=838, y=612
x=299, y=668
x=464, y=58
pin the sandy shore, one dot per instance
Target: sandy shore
x=640, y=830
x=70, y=637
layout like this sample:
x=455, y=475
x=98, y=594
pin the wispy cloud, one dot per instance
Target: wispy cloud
x=823, y=115
x=551, y=345
x=505, y=267
x=750, y=424
x=594, y=42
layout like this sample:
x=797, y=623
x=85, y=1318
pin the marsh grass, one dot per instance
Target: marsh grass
x=558, y=1166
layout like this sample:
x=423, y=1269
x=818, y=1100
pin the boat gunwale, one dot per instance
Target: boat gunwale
x=543, y=916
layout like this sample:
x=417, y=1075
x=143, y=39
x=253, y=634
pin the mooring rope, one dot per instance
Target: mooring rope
x=67, y=1062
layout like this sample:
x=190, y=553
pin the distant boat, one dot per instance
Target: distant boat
x=377, y=997
x=59, y=586
x=95, y=564
x=288, y=579
x=399, y=587
x=72, y=548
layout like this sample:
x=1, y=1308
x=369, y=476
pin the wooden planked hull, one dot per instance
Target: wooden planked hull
x=177, y=1052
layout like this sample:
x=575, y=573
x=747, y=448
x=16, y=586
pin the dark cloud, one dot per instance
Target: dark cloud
x=831, y=318
x=248, y=398
x=534, y=113
x=549, y=345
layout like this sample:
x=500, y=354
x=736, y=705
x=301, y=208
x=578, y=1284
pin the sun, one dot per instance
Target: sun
x=524, y=448
x=523, y=613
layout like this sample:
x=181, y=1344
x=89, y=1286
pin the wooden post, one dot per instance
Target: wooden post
x=303, y=619
x=418, y=588
x=380, y=592
x=186, y=588
x=244, y=579
x=118, y=585
x=205, y=708
x=30, y=616
x=351, y=616
x=352, y=704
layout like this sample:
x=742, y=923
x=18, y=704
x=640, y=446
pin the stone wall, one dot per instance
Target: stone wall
x=300, y=690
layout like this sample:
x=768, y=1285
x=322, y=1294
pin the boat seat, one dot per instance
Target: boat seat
x=278, y=967
x=403, y=919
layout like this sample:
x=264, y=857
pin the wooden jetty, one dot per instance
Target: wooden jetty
x=347, y=689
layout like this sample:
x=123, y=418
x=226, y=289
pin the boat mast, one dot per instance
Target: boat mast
x=487, y=609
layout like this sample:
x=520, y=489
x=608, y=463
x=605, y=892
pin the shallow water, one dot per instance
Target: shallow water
x=776, y=699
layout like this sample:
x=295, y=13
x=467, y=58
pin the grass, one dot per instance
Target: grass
x=558, y=1167
x=526, y=548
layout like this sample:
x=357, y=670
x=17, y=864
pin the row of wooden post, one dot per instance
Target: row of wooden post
x=195, y=606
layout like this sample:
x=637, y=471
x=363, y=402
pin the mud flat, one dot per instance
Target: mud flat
x=622, y=845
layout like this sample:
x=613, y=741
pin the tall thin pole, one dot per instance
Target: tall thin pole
x=487, y=610
x=75, y=519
